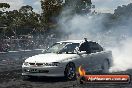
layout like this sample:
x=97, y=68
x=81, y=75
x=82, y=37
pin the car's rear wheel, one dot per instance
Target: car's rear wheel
x=105, y=66
x=70, y=71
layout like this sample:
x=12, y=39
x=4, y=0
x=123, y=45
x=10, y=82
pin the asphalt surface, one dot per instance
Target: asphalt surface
x=10, y=77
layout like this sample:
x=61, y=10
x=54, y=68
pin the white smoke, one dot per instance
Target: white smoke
x=117, y=38
x=81, y=26
x=122, y=56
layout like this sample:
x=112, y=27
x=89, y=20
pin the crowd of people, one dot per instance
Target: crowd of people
x=24, y=42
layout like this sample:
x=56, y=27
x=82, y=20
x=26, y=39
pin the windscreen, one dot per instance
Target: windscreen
x=63, y=48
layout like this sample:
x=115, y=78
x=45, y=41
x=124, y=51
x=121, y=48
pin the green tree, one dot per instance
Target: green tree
x=26, y=9
x=124, y=10
x=78, y=6
x=51, y=10
x=24, y=21
x=27, y=19
x=4, y=6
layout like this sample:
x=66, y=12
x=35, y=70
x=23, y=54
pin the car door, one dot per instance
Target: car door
x=84, y=56
x=92, y=60
x=96, y=57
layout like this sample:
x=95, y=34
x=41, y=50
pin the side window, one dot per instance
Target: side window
x=70, y=47
x=95, y=47
x=100, y=48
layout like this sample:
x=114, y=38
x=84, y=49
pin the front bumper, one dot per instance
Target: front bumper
x=43, y=71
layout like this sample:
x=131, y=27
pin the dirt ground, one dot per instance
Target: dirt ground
x=10, y=77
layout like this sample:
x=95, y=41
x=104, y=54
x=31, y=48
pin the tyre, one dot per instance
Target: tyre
x=70, y=71
x=105, y=67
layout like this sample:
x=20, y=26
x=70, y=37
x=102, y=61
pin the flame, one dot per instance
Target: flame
x=82, y=72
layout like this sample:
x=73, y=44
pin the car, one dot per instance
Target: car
x=64, y=58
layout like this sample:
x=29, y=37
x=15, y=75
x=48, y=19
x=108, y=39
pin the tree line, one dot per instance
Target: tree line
x=25, y=21
x=44, y=26
x=26, y=29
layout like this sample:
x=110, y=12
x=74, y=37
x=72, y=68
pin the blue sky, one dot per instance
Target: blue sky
x=109, y=5
x=101, y=5
x=35, y=4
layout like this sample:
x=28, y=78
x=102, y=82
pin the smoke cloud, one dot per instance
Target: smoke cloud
x=122, y=56
x=117, y=38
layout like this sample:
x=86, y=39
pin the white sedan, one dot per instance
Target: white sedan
x=63, y=59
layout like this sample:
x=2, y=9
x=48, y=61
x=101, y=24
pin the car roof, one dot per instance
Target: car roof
x=73, y=41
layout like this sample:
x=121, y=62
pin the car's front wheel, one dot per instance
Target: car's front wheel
x=70, y=71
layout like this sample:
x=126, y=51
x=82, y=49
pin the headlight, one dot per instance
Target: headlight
x=52, y=64
x=26, y=63
x=55, y=63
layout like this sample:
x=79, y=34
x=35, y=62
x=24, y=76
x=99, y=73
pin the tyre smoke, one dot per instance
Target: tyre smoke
x=117, y=38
